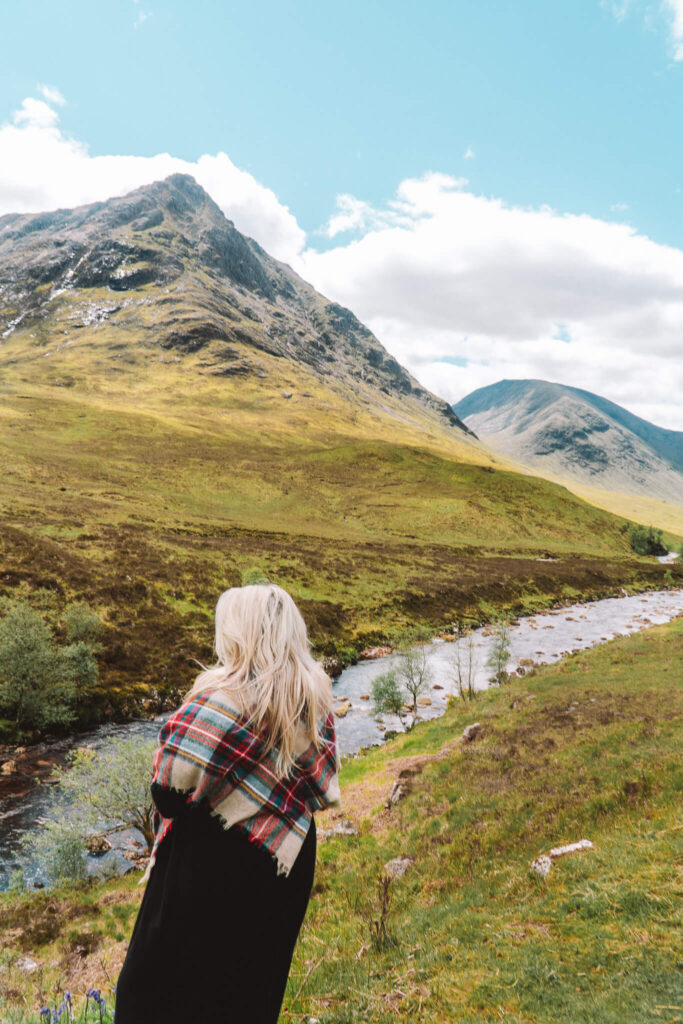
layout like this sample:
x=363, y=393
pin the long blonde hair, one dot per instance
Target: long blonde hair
x=264, y=661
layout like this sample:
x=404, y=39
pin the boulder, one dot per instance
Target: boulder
x=397, y=793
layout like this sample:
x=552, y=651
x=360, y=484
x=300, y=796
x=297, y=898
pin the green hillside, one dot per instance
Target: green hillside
x=176, y=408
x=587, y=748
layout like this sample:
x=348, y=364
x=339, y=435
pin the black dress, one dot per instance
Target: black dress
x=216, y=930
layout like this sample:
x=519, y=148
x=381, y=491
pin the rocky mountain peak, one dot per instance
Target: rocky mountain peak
x=187, y=280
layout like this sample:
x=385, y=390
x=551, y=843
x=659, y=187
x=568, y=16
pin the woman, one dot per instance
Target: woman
x=239, y=770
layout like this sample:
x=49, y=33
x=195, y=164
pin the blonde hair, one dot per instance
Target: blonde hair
x=264, y=661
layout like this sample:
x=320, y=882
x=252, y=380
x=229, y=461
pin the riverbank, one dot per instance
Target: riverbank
x=534, y=640
x=586, y=748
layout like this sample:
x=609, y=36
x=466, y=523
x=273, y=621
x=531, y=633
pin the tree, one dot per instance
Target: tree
x=253, y=576
x=35, y=690
x=111, y=785
x=645, y=540
x=387, y=697
x=465, y=664
x=41, y=681
x=97, y=791
x=401, y=687
x=499, y=653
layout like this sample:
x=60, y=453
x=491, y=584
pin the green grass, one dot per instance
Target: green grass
x=473, y=936
x=146, y=488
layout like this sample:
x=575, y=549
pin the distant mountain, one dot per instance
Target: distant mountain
x=572, y=433
x=167, y=271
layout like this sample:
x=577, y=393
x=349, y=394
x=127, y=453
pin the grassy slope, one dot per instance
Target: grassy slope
x=477, y=938
x=146, y=487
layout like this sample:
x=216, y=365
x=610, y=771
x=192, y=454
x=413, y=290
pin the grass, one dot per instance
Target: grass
x=146, y=488
x=587, y=748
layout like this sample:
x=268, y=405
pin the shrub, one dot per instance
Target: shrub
x=41, y=681
x=253, y=576
x=645, y=540
x=108, y=788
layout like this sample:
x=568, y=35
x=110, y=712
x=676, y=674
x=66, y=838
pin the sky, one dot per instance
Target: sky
x=494, y=188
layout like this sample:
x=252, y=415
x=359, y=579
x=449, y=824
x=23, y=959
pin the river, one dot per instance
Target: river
x=542, y=639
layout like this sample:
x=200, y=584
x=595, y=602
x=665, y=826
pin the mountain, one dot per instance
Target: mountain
x=577, y=435
x=168, y=273
x=178, y=409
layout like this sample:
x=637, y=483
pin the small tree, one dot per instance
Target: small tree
x=465, y=664
x=253, y=576
x=34, y=689
x=412, y=669
x=646, y=540
x=99, y=790
x=499, y=653
x=397, y=691
x=40, y=680
x=110, y=786
x=388, y=698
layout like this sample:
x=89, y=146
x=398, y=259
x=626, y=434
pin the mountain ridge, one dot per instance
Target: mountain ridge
x=219, y=287
x=572, y=432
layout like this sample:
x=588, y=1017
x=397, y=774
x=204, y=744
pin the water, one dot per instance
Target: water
x=542, y=638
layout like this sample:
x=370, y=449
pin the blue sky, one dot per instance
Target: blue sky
x=495, y=188
x=562, y=103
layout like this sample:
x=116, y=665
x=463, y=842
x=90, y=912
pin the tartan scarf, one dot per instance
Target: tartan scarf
x=208, y=751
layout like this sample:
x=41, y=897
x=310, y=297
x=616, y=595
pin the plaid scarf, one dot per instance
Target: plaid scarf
x=208, y=751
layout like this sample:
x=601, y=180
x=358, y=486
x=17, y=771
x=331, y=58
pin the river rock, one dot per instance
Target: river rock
x=424, y=702
x=343, y=710
x=97, y=845
x=8, y=768
x=333, y=666
x=370, y=653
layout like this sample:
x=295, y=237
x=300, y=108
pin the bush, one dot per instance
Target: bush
x=253, y=576
x=41, y=681
x=109, y=789
x=397, y=691
x=645, y=540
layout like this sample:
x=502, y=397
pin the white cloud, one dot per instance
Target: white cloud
x=463, y=289
x=619, y=207
x=675, y=9
x=445, y=277
x=52, y=95
x=468, y=154
x=42, y=168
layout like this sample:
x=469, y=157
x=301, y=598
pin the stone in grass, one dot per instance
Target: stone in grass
x=397, y=867
x=471, y=732
x=542, y=865
x=344, y=828
x=26, y=964
x=397, y=793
